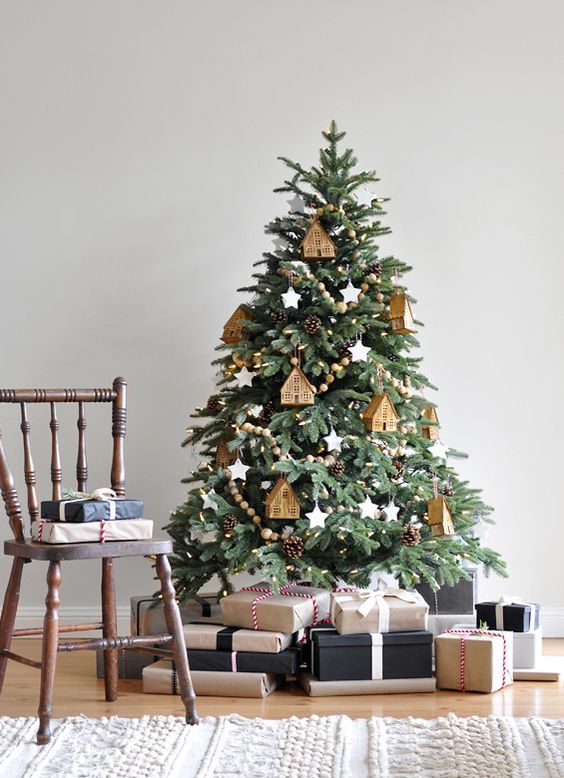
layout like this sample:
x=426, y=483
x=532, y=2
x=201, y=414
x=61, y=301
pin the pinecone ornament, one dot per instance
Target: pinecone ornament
x=279, y=317
x=399, y=470
x=312, y=324
x=374, y=267
x=293, y=546
x=336, y=469
x=343, y=348
x=446, y=489
x=411, y=535
x=213, y=404
x=392, y=357
x=267, y=413
x=229, y=523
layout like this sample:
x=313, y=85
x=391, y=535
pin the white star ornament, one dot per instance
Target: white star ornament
x=238, y=470
x=244, y=377
x=317, y=516
x=350, y=293
x=367, y=508
x=291, y=298
x=208, y=502
x=333, y=441
x=359, y=352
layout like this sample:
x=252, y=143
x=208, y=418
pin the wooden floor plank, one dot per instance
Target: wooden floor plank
x=77, y=690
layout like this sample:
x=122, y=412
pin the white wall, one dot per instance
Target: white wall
x=138, y=145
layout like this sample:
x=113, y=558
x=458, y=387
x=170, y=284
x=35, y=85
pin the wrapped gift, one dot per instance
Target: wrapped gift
x=130, y=663
x=91, y=532
x=382, y=610
x=460, y=598
x=148, y=618
x=99, y=504
x=285, y=662
x=527, y=648
x=161, y=678
x=508, y=613
x=257, y=607
x=474, y=660
x=375, y=656
x=219, y=638
x=316, y=688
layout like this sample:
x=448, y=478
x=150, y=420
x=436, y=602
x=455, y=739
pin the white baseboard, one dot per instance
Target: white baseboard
x=33, y=617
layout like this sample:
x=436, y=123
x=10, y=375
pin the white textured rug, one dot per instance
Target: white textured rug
x=316, y=747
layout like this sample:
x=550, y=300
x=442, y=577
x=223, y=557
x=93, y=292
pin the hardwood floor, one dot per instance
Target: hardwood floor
x=77, y=690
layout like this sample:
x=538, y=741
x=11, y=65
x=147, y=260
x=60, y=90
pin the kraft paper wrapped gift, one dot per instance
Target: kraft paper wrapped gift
x=474, y=660
x=91, y=532
x=293, y=609
x=285, y=662
x=130, y=663
x=381, y=610
x=374, y=656
x=317, y=688
x=148, y=618
x=160, y=678
x=508, y=613
x=216, y=637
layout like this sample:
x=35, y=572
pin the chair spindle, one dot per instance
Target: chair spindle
x=81, y=461
x=56, y=470
x=10, y=497
x=29, y=467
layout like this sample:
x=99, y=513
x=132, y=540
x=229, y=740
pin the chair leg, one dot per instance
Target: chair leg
x=174, y=627
x=49, y=653
x=9, y=610
x=109, y=618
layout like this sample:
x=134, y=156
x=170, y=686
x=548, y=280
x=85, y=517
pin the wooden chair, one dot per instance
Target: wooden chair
x=24, y=551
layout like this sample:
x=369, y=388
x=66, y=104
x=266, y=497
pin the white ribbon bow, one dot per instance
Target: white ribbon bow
x=104, y=494
x=376, y=599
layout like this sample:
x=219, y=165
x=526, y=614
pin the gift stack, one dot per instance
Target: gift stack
x=91, y=518
x=503, y=644
x=377, y=643
x=253, y=649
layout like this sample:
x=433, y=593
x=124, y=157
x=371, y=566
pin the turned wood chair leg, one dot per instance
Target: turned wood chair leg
x=174, y=627
x=109, y=619
x=9, y=610
x=49, y=653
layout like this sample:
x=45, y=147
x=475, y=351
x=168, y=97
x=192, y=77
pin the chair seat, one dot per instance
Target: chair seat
x=30, y=549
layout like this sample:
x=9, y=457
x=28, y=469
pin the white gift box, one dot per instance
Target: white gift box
x=91, y=532
x=527, y=647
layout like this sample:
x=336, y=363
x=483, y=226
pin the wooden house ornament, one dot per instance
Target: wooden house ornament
x=223, y=456
x=297, y=390
x=233, y=328
x=317, y=244
x=380, y=414
x=430, y=431
x=439, y=517
x=281, y=502
x=401, y=316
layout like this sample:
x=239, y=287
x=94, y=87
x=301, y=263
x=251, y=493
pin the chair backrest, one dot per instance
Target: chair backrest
x=117, y=395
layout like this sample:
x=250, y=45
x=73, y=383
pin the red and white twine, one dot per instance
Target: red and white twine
x=464, y=633
x=435, y=487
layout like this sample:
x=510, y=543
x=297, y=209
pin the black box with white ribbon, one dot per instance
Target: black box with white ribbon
x=370, y=656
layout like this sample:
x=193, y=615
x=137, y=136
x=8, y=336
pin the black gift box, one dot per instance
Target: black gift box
x=460, y=598
x=285, y=662
x=82, y=511
x=516, y=616
x=349, y=657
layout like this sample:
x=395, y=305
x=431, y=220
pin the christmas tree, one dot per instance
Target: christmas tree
x=321, y=456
